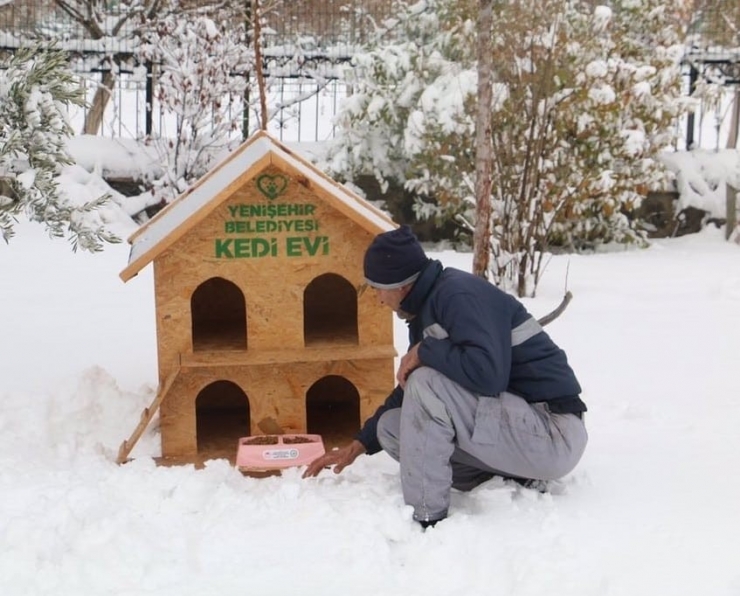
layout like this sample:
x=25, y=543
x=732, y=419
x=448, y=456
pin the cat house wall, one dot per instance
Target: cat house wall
x=261, y=309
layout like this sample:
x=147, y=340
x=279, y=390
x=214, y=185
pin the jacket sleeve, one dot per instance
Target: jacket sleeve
x=473, y=345
x=368, y=435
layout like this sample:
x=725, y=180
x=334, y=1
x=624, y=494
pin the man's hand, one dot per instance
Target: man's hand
x=408, y=363
x=339, y=458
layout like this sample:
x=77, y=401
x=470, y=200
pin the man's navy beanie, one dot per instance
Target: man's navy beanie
x=394, y=259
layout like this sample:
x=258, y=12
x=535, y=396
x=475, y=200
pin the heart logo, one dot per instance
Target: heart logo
x=272, y=186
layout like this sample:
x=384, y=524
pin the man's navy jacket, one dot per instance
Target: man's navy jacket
x=483, y=339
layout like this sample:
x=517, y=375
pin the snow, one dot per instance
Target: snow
x=444, y=99
x=602, y=16
x=701, y=177
x=115, y=157
x=602, y=94
x=635, y=141
x=651, y=509
x=597, y=69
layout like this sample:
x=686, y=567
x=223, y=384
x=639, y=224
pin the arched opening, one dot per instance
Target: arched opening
x=333, y=410
x=329, y=311
x=219, y=316
x=222, y=418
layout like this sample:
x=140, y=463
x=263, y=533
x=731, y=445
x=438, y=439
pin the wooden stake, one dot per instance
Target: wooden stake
x=259, y=67
x=146, y=417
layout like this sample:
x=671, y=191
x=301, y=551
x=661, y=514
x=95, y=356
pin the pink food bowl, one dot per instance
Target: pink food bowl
x=275, y=452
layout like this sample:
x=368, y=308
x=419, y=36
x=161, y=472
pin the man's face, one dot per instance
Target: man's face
x=392, y=298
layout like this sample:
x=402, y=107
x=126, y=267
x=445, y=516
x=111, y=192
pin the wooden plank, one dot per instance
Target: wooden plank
x=198, y=216
x=146, y=417
x=255, y=358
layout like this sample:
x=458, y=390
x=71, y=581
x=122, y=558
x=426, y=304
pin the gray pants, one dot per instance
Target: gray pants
x=445, y=436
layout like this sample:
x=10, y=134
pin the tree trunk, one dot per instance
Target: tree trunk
x=734, y=122
x=483, y=143
x=257, y=16
x=94, y=118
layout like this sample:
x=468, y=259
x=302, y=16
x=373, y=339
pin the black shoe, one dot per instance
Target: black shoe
x=429, y=523
x=541, y=486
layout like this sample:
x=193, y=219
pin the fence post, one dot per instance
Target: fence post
x=693, y=79
x=731, y=204
x=149, y=93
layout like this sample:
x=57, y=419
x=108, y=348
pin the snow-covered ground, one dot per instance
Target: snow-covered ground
x=654, y=336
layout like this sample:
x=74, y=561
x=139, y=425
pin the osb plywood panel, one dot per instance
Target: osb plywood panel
x=284, y=356
x=271, y=238
x=276, y=392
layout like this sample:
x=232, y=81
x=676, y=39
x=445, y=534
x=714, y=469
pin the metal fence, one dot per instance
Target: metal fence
x=327, y=31
x=130, y=115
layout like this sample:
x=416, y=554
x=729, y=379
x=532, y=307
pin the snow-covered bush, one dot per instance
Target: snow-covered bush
x=584, y=98
x=35, y=89
x=592, y=98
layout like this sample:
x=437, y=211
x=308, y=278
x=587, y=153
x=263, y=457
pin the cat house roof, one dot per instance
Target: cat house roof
x=254, y=155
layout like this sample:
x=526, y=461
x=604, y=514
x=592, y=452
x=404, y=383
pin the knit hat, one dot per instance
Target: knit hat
x=394, y=259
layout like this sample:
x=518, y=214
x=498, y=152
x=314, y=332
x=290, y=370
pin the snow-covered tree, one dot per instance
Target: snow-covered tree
x=116, y=25
x=212, y=78
x=592, y=97
x=583, y=99
x=116, y=28
x=35, y=89
x=420, y=83
x=483, y=143
x=201, y=81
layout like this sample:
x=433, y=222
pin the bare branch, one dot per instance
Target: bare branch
x=550, y=317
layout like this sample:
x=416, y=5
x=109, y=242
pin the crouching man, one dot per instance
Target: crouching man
x=482, y=391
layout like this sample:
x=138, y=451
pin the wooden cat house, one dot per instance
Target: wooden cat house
x=261, y=315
